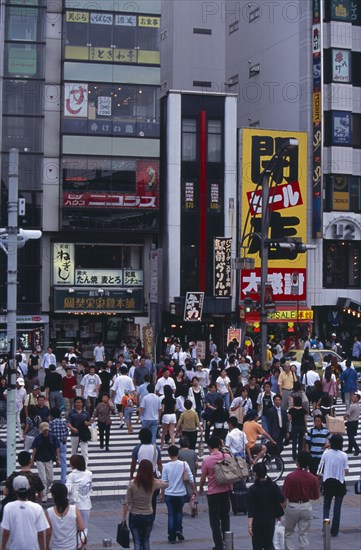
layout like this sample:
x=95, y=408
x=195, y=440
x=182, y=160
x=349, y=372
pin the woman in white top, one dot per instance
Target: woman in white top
x=333, y=467
x=64, y=520
x=79, y=484
x=224, y=388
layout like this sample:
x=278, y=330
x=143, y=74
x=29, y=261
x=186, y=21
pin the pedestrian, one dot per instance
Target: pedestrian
x=188, y=424
x=190, y=457
x=102, y=412
x=31, y=429
x=149, y=411
x=53, y=387
x=24, y=523
x=46, y=450
x=333, y=468
x=297, y=415
x=299, y=488
x=79, y=485
x=218, y=495
x=138, y=502
x=278, y=423
x=175, y=472
x=64, y=519
x=59, y=427
x=128, y=403
x=69, y=384
x=78, y=421
x=352, y=418
x=265, y=505
x=90, y=389
x=168, y=403
x=147, y=450
x=317, y=440
x=236, y=440
x=348, y=380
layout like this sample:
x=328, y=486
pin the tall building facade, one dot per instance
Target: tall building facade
x=80, y=88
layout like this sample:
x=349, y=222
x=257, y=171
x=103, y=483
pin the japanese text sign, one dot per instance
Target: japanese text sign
x=222, y=267
x=63, y=263
x=193, y=306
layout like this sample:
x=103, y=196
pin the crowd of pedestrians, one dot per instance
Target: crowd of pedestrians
x=235, y=405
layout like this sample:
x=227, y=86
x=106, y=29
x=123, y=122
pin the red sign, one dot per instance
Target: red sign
x=109, y=200
x=284, y=196
x=281, y=280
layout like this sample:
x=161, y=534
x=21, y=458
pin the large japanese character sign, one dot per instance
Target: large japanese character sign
x=288, y=211
x=193, y=306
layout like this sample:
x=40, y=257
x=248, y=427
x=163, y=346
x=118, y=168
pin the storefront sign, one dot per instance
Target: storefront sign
x=63, y=263
x=89, y=301
x=76, y=100
x=288, y=200
x=103, y=277
x=222, y=267
x=280, y=279
x=341, y=128
x=193, y=306
x=341, y=62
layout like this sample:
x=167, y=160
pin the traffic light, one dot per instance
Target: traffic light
x=248, y=303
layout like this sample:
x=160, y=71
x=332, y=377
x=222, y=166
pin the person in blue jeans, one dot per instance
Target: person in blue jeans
x=333, y=468
x=138, y=502
x=174, y=474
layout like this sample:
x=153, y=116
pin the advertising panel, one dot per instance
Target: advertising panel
x=288, y=204
x=222, y=267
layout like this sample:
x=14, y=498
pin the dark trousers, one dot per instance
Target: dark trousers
x=192, y=438
x=263, y=531
x=298, y=433
x=218, y=510
x=351, y=428
x=104, y=429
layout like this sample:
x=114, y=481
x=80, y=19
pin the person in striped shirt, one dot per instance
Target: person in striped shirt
x=317, y=440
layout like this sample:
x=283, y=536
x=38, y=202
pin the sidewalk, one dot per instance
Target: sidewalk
x=106, y=515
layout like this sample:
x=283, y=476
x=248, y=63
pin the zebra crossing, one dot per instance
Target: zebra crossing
x=111, y=469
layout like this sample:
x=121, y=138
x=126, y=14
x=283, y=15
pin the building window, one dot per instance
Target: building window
x=342, y=193
x=233, y=27
x=202, y=31
x=214, y=141
x=189, y=140
x=202, y=84
x=341, y=264
x=254, y=70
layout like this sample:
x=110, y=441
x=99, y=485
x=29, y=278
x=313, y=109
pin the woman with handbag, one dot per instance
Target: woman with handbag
x=138, y=502
x=78, y=423
x=79, y=484
x=64, y=519
x=333, y=467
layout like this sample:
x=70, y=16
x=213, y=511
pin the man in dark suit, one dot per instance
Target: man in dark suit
x=278, y=423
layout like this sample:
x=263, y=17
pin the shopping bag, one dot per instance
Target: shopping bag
x=123, y=535
x=279, y=536
x=94, y=433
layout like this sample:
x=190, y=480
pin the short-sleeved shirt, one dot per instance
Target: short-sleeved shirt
x=252, y=430
x=208, y=465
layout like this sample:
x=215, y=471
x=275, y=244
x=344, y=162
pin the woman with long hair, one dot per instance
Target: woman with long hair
x=64, y=519
x=79, y=484
x=138, y=502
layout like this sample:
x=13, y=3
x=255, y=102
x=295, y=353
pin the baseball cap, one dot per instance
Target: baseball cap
x=43, y=426
x=21, y=484
x=20, y=381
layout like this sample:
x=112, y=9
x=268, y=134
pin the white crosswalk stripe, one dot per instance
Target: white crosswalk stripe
x=111, y=469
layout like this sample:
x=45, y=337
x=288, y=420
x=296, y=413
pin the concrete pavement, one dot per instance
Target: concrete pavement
x=106, y=515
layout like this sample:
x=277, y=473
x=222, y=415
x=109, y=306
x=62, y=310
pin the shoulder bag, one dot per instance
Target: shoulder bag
x=230, y=469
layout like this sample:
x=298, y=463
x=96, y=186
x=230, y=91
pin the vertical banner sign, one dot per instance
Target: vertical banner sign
x=193, y=306
x=222, y=267
x=63, y=263
x=317, y=120
x=288, y=206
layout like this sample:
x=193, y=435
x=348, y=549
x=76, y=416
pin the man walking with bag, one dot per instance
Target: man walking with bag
x=218, y=494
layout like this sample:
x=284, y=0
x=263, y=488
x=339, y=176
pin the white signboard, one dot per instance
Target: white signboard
x=98, y=277
x=63, y=263
x=76, y=100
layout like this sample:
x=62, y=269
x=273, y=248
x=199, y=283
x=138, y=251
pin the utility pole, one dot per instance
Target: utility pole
x=12, y=248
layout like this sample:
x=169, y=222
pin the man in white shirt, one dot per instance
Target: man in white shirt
x=24, y=522
x=236, y=440
x=99, y=354
x=122, y=383
x=149, y=411
x=90, y=387
x=165, y=380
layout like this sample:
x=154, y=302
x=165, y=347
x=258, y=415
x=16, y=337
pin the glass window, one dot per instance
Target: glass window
x=341, y=264
x=189, y=140
x=24, y=60
x=24, y=133
x=23, y=97
x=214, y=147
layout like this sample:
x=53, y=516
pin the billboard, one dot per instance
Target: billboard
x=288, y=206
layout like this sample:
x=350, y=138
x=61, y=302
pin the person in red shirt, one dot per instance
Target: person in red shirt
x=299, y=488
x=218, y=495
x=69, y=384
